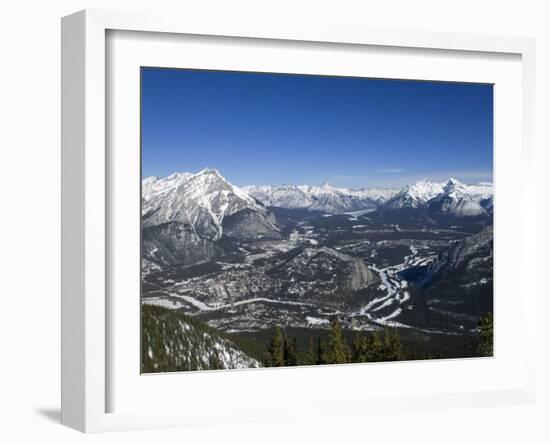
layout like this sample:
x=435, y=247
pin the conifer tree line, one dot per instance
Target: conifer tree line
x=335, y=349
x=484, y=347
x=281, y=351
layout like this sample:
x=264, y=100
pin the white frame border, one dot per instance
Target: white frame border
x=84, y=202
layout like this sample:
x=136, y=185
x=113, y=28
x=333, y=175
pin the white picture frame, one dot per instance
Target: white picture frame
x=85, y=211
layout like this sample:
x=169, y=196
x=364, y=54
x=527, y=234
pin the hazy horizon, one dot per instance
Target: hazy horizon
x=445, y=179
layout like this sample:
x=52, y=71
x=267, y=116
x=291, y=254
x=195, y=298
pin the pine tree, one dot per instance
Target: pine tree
x=321, y=353
x=276, y=349
x=267, y=359
x=375, y=352
x=339, y=352
x=290, y=356
x=392, y=345
x=311, y=357
x=360, y=349
x=485, y=345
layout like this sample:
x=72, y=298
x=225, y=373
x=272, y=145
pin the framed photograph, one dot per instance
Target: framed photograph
x=360, y=252
x=277, y=222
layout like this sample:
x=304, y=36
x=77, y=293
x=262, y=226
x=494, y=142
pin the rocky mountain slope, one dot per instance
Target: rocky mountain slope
x=323, y=273
x=457, y=286
x=172, y=341
x=175, y=243
x=203, y=201
x=471, y=253
x=456, y=199
x=187, y=218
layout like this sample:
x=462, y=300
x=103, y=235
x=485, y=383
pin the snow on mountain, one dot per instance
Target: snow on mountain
x=153, y=186
x=487, y=204
x=480, y=191
x=203, y=201
x=414, y=195
x=208, y=203
x=483, y=194
x=324, y=198
x=175, y=342
x=448, y=198
x=288, y=197
x=457, y=199
x=379, y=194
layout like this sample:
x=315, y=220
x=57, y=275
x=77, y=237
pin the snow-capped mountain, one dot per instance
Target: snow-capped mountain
x=324, y=198
x=458, y=200
x=447, y=198
x=480, y=191
x=483, y=194
x=205, y=201
x=414, y=196
x=378, y=194
x=211, y=206
x=288, y=197
x=153, y=187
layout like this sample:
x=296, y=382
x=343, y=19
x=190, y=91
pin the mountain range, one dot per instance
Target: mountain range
x=222, y=265
x=212, y=206
x=194, y=217
x=325, y=198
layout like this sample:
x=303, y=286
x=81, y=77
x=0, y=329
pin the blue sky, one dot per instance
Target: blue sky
x=296, y=129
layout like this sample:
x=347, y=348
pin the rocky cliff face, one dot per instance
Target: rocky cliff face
x=176, y=243
x=457, y=287
x=324, y=273
x=470, y=251
x=361, y=276
x=246, y=224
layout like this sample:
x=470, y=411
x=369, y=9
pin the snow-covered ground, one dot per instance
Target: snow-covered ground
x=171, y=302
x=395, y=291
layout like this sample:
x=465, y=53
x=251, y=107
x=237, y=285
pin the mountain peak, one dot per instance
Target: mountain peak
x=210, y=171
x=423, y=190
x=453, y=182
x=149, y=180
x=454, y=185
x=414, y=195
x=203, y=201
x=457, y=199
